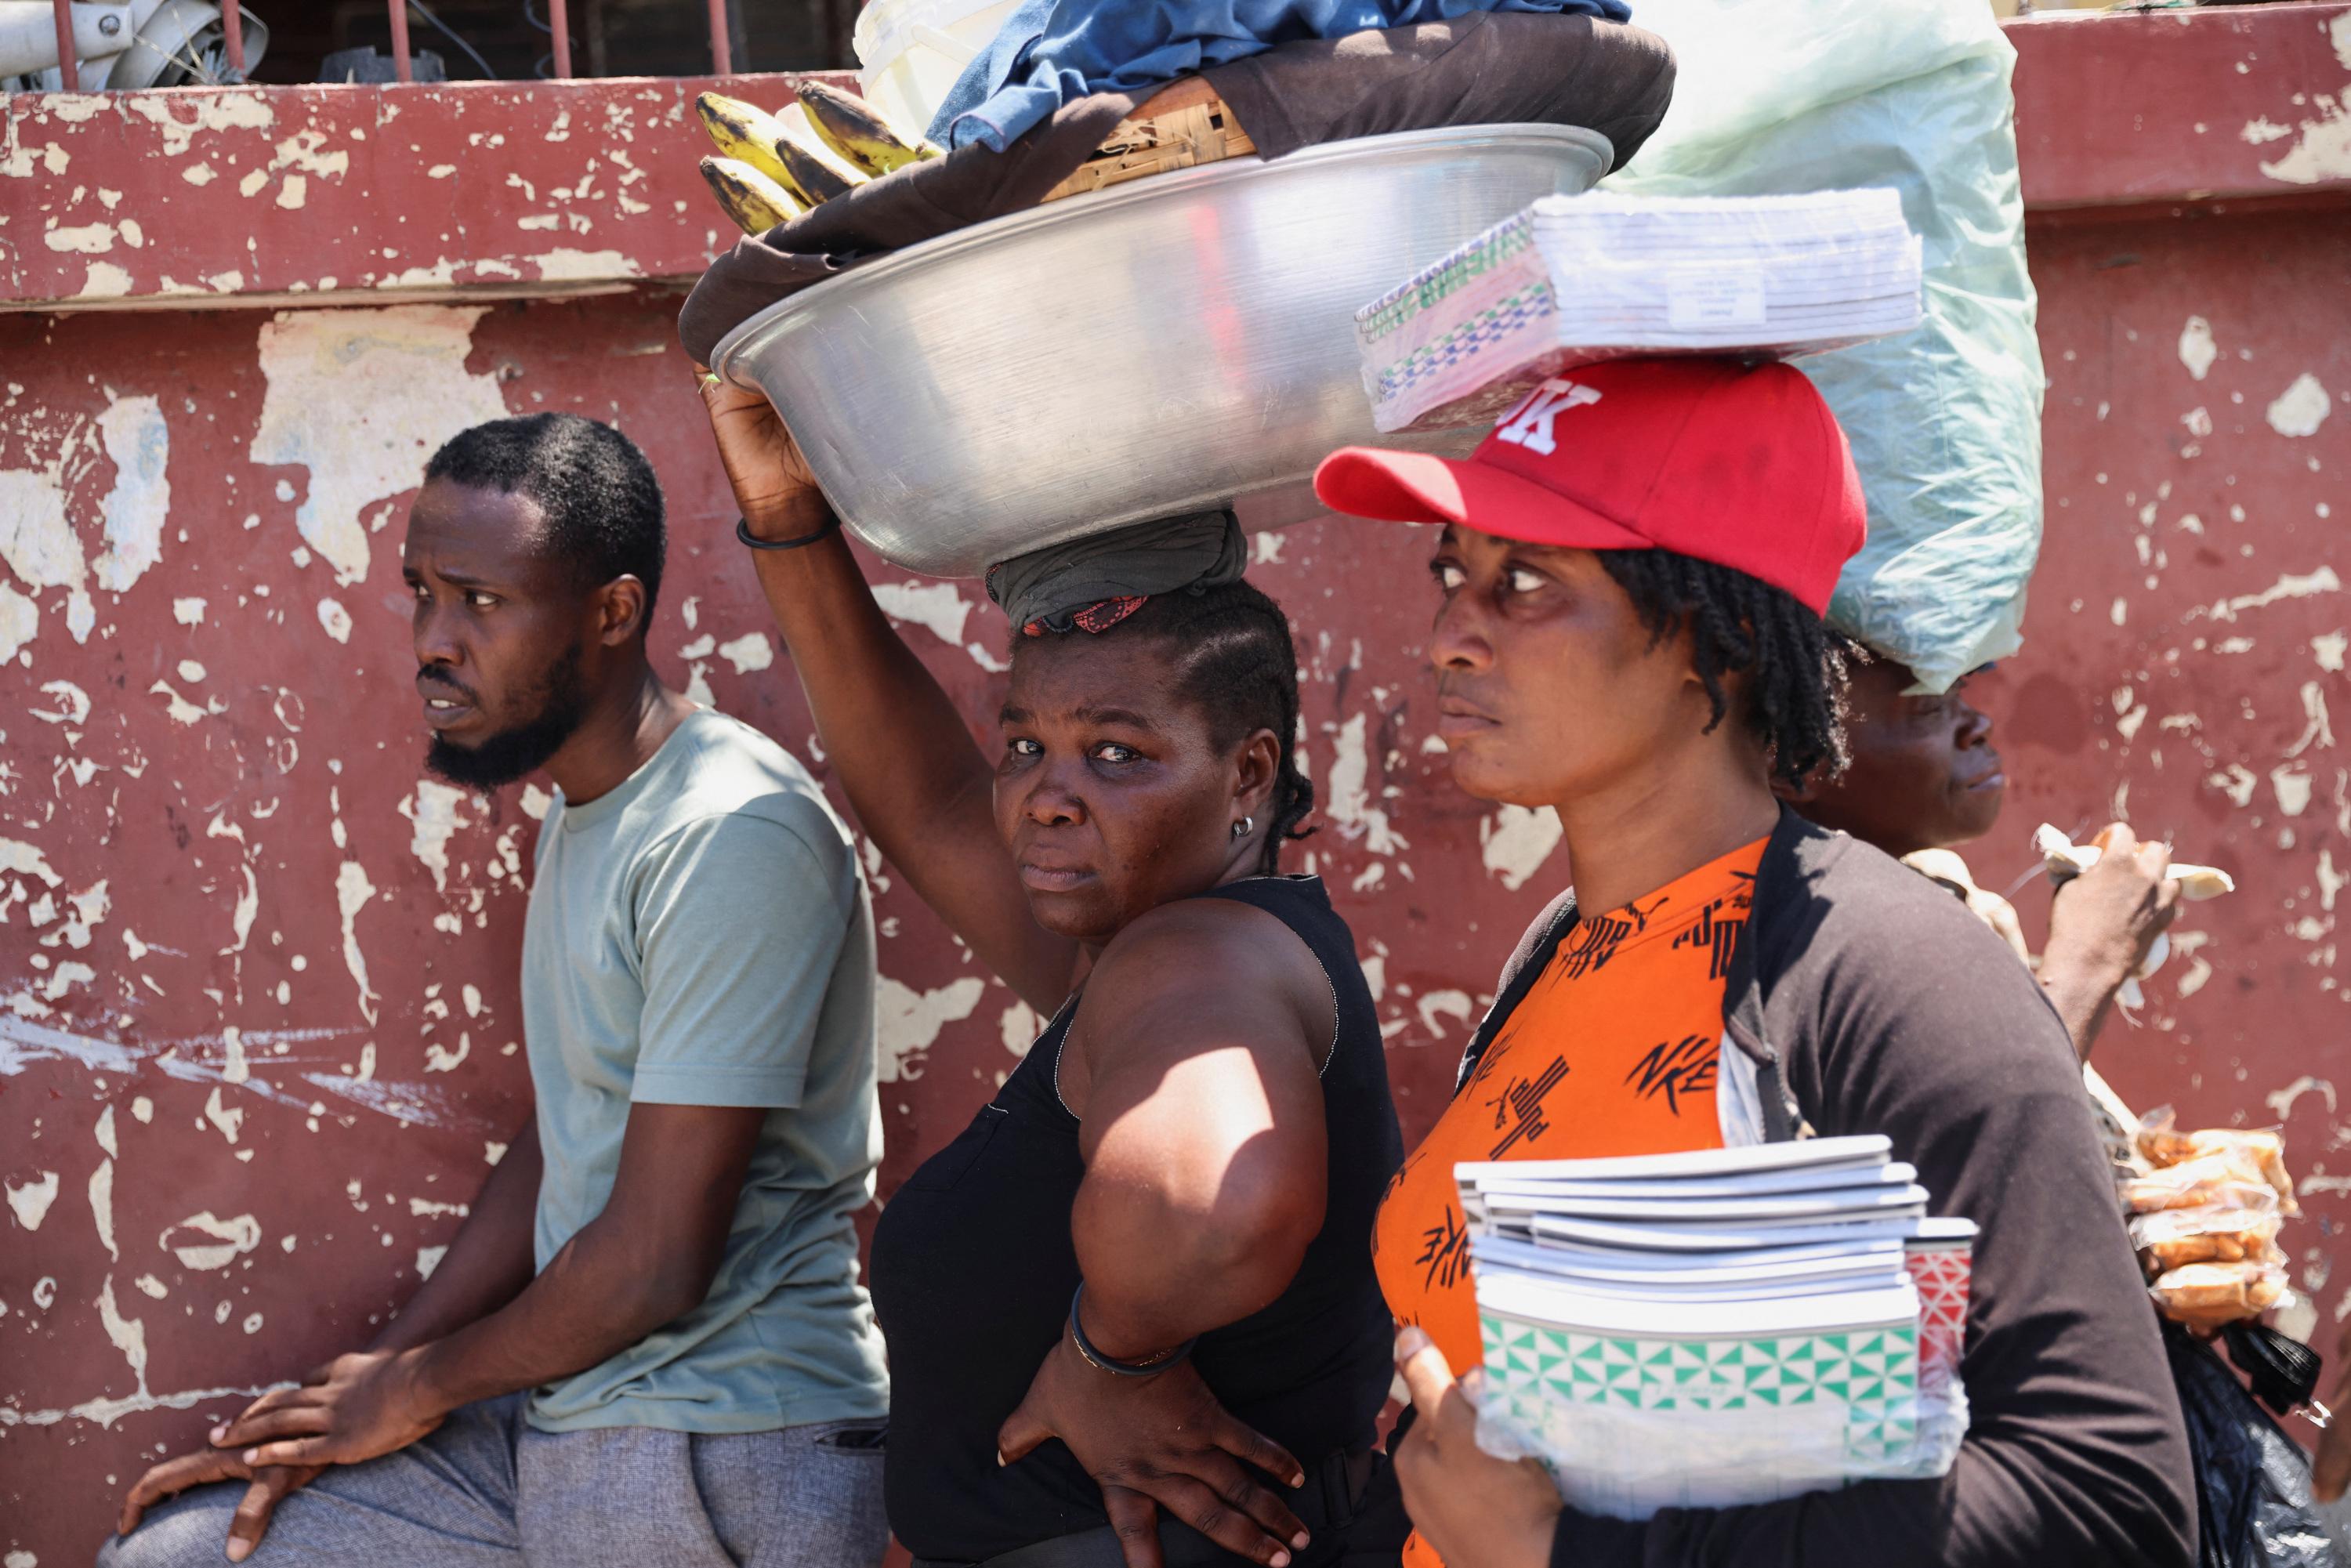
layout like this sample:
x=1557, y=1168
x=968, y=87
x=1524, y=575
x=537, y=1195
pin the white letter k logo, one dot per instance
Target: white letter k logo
x=1528, y=424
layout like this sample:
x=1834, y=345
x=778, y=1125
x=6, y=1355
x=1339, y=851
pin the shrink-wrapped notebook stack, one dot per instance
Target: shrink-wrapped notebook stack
x=1717, y=1327
x=1574, y=279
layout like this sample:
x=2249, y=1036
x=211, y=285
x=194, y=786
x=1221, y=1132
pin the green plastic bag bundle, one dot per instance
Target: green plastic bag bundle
x=1945, y=421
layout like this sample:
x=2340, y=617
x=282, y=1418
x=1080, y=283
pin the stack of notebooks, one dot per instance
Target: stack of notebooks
x=1717, y=1327
x=1574, y=279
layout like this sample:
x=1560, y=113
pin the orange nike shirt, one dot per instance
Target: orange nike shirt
x=1611, y=1052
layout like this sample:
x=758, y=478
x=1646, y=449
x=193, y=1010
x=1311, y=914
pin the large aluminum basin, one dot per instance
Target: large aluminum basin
x=1165, y=345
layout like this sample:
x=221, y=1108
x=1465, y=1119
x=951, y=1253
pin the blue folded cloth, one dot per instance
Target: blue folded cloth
x=1050, y=52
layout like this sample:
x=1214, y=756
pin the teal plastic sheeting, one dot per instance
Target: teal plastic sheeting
x=1945, y=421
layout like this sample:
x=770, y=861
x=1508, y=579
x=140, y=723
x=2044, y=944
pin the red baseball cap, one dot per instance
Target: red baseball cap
x=1742, y=466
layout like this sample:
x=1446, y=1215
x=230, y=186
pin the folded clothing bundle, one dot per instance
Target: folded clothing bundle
x=1578, y=278
x=1483, y=69
x=1047, y=53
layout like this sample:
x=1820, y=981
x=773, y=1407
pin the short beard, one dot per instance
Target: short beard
x=509, y=754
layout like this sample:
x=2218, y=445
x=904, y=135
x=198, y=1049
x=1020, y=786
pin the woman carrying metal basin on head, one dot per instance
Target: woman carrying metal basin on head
x=1151, y=1246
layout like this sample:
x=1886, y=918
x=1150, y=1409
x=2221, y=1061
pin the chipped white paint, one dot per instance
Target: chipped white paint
x=2301, y=409
x=20, y=856
x=1515, y=843
x=2315, y=729
x=181, y=118
x=20, y=623
x=101, y=1205
x=139, y=443
x=103, y=280
x=36, y=540
x=909, y=1021
x=2287, y=586
x=2261, y=131
x=2328, y=647
x=79, y=239
x=2236, y=781
x=206, y=1242
x=1019, y=1028
x=352, y=890
x=128, y=1335
x=2292, y=783
x=188, y=611
x=361, y=398
x=752, y=650
x=2196, y=348
x=2281, y=1100
x=439, y=1059
x=562, y=265
x=429, y=1259
x=1350, y=808
x=31, y=1201
x=2330, y=881
x=2323, y=152
x=934, y=606
x=433, y=810
x=226, y=1119
x=536, y=802
x=335, y=620
x=1437, y=1005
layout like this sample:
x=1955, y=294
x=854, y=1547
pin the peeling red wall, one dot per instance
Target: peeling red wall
x=257, y=1015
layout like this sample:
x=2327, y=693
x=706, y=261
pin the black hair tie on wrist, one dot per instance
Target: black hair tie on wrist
x=743, y=532
x=1151, y=1367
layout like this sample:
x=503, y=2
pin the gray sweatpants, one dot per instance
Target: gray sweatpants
x=486, y=1490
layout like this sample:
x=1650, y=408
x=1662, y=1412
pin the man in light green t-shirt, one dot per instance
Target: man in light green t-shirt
x=648, y=1342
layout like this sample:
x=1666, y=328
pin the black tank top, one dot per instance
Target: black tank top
x=974, y=1267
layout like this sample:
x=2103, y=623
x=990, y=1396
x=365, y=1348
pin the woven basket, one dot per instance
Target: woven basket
x=1182, y=124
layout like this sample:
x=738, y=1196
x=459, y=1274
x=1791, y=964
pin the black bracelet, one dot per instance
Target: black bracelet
x=743, y=532
x=1116, y=1368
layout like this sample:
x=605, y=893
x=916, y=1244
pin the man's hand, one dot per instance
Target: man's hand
x=2107, y=919
x=1162, y=1441
x=1476, y=1511
x=2102, y=925
x=773, y=485
x=362, y=1405
x=271, y=1483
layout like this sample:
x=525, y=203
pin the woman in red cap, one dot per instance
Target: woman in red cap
x=1630, y=584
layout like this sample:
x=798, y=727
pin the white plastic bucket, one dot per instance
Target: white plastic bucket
x=910, y=52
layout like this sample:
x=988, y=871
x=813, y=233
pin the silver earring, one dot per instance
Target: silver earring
x=1243, y=827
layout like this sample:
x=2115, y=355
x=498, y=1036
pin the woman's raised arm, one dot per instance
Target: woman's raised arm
x=916, y=780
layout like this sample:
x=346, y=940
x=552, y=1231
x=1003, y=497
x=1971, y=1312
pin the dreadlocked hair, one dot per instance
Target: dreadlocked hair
x=1795, y=697
x=1234, y=660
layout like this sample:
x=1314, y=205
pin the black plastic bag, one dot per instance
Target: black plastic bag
x=2253, y=1505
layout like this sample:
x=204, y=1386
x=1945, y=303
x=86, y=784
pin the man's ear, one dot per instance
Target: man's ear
x=619, y=609
x=1794, y=794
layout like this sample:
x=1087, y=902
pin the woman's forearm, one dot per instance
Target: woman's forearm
x=897, y=744
x=917, y=782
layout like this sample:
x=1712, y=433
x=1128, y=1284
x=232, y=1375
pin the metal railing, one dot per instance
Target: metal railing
x=722, y=61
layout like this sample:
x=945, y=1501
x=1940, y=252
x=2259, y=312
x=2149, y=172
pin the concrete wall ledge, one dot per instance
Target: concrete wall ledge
x=338, y=195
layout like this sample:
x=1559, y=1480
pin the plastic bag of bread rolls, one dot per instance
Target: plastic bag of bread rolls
x=2221, y=1180
x=2260, y=1151
x=2169, y=1239
x=2213, y=1295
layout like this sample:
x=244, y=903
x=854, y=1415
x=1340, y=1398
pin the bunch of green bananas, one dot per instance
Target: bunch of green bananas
x=776, y=166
